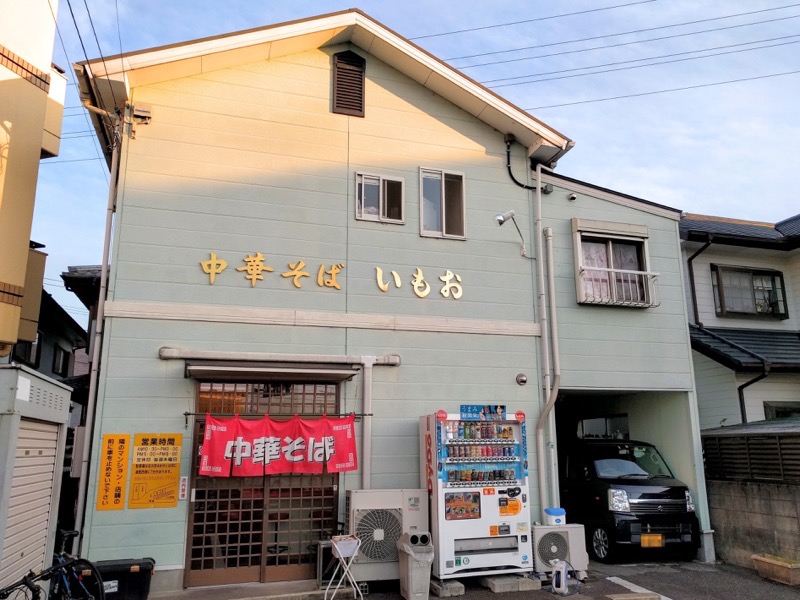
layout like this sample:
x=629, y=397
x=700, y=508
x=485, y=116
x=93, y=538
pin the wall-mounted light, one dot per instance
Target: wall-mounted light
x=521, y=379
x=509, y=216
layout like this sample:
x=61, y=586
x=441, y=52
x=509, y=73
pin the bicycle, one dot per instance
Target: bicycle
x=71, y=578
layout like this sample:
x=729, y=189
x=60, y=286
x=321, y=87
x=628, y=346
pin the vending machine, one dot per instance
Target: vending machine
x=474, y=465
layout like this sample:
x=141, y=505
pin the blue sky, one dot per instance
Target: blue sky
x=684, y=103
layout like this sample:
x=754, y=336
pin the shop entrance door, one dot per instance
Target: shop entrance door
x=251, y=529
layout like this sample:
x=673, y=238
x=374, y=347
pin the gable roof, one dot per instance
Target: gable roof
x=746, y=350
x=784, y=235
x=102, y=81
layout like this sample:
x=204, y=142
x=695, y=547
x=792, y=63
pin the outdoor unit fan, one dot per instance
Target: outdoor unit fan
x=552, y=546
x=560, y=542
x=378, y=529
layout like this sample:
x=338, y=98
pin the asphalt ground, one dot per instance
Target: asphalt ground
x=672, y=580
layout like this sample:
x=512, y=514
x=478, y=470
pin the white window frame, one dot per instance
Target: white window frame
x=441, y=234
x=382, y=179
x=643, y=281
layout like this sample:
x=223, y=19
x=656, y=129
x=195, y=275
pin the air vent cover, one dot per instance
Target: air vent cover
x=348, y=83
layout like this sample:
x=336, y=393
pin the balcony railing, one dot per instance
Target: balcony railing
x=617, y=287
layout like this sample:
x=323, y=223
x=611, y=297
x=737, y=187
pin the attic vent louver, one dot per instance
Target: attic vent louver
x=348, y=84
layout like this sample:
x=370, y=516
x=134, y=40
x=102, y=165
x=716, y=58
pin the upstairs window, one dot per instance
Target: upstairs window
x=745, y=292
x=348, y=83
x=613, y=264
x=379, y=198
x=60, y=361
x=28, y=353
x=442, y=206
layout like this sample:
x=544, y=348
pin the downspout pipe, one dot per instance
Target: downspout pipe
x=741, y=388
x=540, y=446
x=766, y=366
x=692, y=286
x=542, y=309
x=83, y=481
x=547, y=415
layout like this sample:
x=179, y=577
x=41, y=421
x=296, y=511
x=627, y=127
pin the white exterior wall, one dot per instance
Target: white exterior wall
x=717, y=398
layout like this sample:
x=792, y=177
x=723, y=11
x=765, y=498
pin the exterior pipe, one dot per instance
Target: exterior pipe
x=83, y=481
x=540, y=448
x=547, y=413
x=690, y=267
x=741, y=388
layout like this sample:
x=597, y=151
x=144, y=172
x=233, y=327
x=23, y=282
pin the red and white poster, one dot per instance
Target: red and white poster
x=247, y=448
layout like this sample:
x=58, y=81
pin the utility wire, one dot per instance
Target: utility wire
x=55, y=162
x=653, y=64
x=598, y=37
x=572, y=14
x=102, y=58
x=66, y=55
x=680, y=89
x=656, y=39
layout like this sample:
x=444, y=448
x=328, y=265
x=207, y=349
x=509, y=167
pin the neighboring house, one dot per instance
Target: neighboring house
x=744, y=284
x=31, y=109
x=33, y=408
x=58, y=341
x=307, y=223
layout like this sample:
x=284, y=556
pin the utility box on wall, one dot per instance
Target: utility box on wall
x=34, y=411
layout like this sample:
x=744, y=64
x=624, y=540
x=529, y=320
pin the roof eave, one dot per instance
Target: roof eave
x=110, y=79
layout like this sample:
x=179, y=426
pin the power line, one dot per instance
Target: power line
x=653, y=64
x=680, y=89
x=572, y=14
x=598, y=37
x=100, y=50
x=55, y=162
x=656, y=39
x=66, y=55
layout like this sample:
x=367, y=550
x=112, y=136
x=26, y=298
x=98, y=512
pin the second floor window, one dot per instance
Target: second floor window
x=613, y=264
x=60, y=361
x=442, y=206
x=745, y=292
x=379, y=198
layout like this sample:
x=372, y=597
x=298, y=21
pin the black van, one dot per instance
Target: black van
x=624, y=494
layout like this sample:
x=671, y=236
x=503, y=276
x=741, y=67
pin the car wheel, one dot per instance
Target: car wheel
x=602, y=548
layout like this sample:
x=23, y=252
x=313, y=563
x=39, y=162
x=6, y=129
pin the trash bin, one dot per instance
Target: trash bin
x=555, y=516
x=416, y=558
x=126, y=579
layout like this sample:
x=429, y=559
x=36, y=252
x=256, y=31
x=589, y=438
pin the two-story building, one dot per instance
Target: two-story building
x=306, y=223
x=743, y=278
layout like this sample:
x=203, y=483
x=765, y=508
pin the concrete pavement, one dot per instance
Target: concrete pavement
x=642, y=581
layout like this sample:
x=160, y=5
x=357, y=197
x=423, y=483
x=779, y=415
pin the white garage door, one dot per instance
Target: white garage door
x=30, y=498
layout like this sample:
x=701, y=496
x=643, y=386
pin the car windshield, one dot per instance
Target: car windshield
x=624, y=460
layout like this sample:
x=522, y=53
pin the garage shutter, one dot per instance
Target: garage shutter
x=30, y=499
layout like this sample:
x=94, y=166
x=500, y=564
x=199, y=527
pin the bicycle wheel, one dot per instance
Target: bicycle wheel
x=83, y=582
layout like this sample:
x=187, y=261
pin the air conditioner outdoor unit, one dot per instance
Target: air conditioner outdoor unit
x=379, y=518
x=560, y=542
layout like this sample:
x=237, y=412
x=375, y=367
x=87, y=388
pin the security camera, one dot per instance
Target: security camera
x=504, y=217
x=572, y=197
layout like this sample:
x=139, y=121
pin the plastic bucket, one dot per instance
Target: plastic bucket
x=555, y=516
